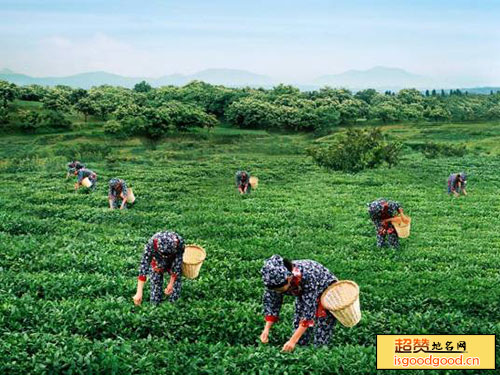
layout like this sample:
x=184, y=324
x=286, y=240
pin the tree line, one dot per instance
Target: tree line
x=153, y=112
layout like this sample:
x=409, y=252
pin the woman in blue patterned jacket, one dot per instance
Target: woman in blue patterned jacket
x=457, y=183
x=81, y=174
x=117, y=189
x=162, y=254
x=306, y=280
x=382, y=212
x=243, y=182
x=73, y=166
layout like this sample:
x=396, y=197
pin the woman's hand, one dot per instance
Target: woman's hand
x=264, y=336
x=405, y=219
x=289, y=346
x=137, y=299
x=169, y=289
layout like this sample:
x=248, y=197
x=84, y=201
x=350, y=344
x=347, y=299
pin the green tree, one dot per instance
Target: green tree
x=142, y=86
x=32, y=93
x=493, y=112
x=56, y=99
x=77, y=94
x=409, y=96
x=367, y=95
x=86, y=107
x=8, y=92
x=252, y=113
x=387, y=111
x=4, y=116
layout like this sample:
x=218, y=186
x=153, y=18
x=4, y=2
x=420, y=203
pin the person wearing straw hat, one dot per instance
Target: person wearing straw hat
x=117, y=189
x=85, y=173
x=73, y=166
x=306, y=280
x=457, y=183
x=243, y=182
x=162, y=253
x=383, y=212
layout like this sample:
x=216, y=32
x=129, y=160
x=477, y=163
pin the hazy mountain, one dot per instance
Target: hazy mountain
x=379, y=77
x=232, y=77
x=227, y=77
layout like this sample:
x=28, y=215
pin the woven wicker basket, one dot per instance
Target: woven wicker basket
x=86, y=182
x=342, y=300
x=194, y=256
x=402, y=229
x=254, y=181
x=130, y=196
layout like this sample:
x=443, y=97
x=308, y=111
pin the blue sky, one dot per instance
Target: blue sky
x=290, y=40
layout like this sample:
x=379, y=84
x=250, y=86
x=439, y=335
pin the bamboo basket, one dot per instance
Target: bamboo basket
x=86, y=182
x=402, y=229
x=254, y=181
x=130, y=196
x=192, y=261
x=342, y=300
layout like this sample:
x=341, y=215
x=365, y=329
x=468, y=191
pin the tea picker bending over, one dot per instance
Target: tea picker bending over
x=306, y=280
x=163, y=253
x=75, y=165
x=457, y=183
x=243, y=182
x=117, y=189
x=85, y=173
x=383, y=212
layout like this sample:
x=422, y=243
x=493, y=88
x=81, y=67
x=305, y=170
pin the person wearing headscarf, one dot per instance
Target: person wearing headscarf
x=383, y=212
x=83, y=173
x=306, y=280
x=243, y=182
x=73, y=166
x=457, y=183
x=117, y=189
x=162, y=254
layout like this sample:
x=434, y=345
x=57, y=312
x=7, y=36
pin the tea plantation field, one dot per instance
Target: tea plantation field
x=68, y=265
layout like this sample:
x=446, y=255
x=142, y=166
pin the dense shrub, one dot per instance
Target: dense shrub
x=54, y=120
x=355, y=150
x=30, y=120
x=434, y=150
x=4, y=116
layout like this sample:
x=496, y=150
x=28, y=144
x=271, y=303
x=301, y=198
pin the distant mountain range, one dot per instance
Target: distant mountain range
x=226, y=77
x=380, y=78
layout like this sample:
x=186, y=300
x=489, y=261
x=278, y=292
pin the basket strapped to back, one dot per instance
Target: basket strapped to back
x=342, y=300
x=192, y=261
